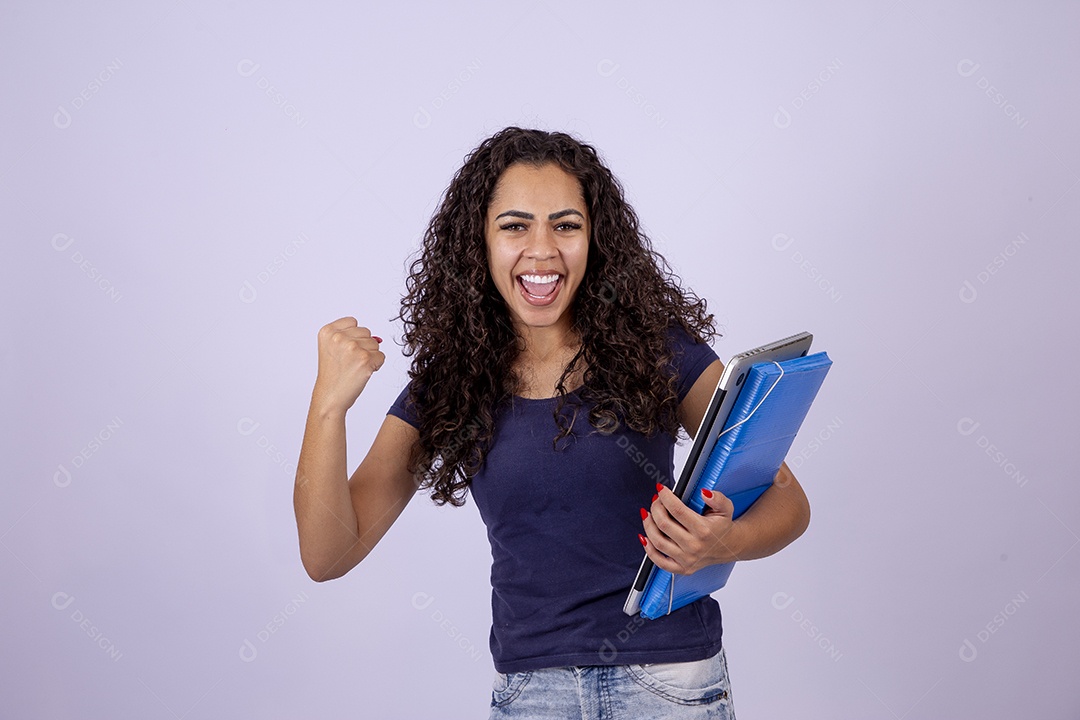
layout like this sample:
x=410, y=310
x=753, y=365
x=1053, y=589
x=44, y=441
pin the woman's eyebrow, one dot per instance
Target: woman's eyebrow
x=530, y=216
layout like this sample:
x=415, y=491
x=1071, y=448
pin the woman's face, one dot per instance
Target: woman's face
x=537, y=231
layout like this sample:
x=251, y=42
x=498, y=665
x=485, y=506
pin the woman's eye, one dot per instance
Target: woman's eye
x=512, y=227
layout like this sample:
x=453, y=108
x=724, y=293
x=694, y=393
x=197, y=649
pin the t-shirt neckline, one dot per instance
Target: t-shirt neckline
x=548, y=399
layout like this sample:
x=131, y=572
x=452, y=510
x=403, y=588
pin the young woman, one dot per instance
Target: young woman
x=555, y=363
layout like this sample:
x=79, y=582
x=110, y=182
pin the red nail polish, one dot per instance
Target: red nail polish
x=376, y=338
x=654, y=497
x=644, y=513
x=706, y=493
x=644, y=542
x=659, y=487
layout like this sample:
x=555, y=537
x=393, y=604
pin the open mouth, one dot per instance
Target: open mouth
x=540, y=289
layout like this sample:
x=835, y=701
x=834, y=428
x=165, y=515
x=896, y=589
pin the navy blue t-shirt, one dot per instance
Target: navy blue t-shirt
x=563, y=529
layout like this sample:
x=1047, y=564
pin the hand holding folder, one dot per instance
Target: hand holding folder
x=748, y=453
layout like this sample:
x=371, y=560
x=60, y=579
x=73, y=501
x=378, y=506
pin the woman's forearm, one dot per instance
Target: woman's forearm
x=324, y=513
x=773, y=522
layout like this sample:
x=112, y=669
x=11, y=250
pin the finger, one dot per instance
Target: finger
x=659, y=559
x=717, y=502
x=672, y=533
x=365, y=339
x=671, y=547
x=666, y=562
x=332, y=328
x=719, y=524
x=366, y=332
x=342, y=323
x=678, y=513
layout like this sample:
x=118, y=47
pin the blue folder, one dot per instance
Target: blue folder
x=751, y=448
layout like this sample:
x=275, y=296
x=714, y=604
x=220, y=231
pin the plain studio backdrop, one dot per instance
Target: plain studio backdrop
x=190, y=190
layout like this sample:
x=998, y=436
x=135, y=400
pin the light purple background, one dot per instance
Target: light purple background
x=191, y=189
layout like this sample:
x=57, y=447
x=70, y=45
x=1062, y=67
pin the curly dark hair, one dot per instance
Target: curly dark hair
x=459, y=328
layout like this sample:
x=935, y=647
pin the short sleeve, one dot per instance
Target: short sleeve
x=404, y=409
x=691, y=358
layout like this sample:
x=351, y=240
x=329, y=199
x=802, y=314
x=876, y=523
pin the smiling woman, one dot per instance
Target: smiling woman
x=545, y=259
x=538, y=264
x=548, y=338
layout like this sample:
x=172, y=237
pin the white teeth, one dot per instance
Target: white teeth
x=541, y=279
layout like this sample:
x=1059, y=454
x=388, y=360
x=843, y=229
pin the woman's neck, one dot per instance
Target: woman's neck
x=542, y=346
x=545, y=354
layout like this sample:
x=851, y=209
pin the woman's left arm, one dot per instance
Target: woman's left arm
x=773, y=522
x=682, y=541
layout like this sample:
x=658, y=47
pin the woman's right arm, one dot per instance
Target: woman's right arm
x=341, y=519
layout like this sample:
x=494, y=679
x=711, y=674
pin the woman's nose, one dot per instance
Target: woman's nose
x=541, y=244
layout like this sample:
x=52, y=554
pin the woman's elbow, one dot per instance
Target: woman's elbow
x=804, y=518
x=321, y=570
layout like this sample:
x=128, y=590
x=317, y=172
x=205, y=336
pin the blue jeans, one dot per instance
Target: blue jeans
x=677, y=691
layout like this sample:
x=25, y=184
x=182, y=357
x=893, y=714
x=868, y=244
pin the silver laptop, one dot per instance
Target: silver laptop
x=723, y=399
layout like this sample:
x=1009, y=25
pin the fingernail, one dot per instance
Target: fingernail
x=377, y=338
x=654, y=497
x=706, y=493
x=644, y=513
x=644, y=542
x=659, y=487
